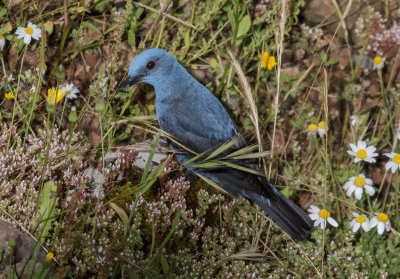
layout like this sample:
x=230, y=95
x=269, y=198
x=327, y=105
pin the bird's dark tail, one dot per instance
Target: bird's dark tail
x=290, y=217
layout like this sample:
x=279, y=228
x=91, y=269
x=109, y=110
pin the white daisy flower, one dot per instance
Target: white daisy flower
x=321, y=216
x=70, y=91
x=42, y=67
x=379, y=62
x=363, y=153
x=358, y=184
x=393, y=164
x=8, y=78
x=360, y=221
x=381, y=220
x=27, y=33
x=312, y=129
x=2, y=42
x=356, y=120
x=321, y=128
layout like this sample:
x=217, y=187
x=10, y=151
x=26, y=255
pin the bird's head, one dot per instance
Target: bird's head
x=150, y=66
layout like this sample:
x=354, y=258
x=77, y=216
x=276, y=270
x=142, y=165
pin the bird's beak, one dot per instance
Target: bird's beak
x=130, y=80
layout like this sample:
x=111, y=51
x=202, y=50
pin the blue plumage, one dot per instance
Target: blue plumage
x=193, y=115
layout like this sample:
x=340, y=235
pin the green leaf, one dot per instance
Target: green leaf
x=173, y=227
x=324, y=57
x=213, y=63
x=3, y=12
x=91, y=26
x=121, y=213
x=212, y=183
x=223, y=148
x=47, y=203
x=232, y=19
x=164, y=264
x=244, y=26
x=242, y=151
x=131, y=37
x=254, y=155
x=285, y=191
x=242, y=168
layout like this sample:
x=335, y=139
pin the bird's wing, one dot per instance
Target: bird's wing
x=200, y=134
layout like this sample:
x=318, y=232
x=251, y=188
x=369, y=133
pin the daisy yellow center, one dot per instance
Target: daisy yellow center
x=361, y=219
x=359, y=181
x=378, y=60
x=324, y=214
x=1, y=37
x=361, y=153
x=312, y=127
x=29, y=30
x=321, y=125
x=382, y=217
x=396, y=159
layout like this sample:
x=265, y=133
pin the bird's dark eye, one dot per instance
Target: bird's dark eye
x=150, y=65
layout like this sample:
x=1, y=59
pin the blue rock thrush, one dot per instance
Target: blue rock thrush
x=193, y=115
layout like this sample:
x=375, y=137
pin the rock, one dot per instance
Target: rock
x=323, y=11
x=143, y=154
x=22, y=252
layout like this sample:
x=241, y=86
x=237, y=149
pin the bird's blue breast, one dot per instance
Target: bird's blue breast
x=183, y=106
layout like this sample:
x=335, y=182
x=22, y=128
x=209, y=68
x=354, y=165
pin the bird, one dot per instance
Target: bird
x=195, y=117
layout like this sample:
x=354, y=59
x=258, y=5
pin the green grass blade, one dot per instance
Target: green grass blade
x=173, y=227
x=150, y=159
x=244, y=150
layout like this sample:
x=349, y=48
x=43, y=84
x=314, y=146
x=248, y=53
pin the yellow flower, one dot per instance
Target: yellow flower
x=267, y=61
x=9, y=96
x=49, y=256
x=54, y=96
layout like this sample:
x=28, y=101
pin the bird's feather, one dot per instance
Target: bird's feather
x=194, y=116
